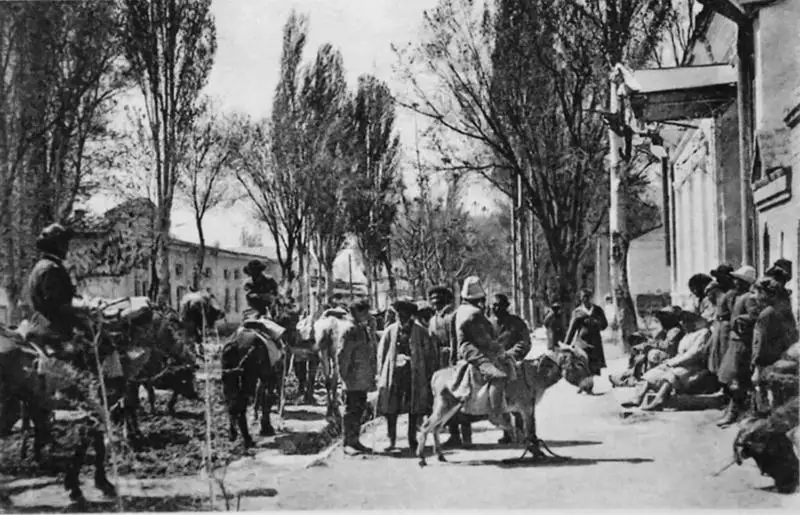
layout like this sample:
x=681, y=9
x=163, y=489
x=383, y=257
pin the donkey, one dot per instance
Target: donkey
x=523, y=393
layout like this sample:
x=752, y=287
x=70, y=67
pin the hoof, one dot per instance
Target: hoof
x=442, y=458
x=268, y=431
x=106, y=488
x=249, y=444
x=422, y=463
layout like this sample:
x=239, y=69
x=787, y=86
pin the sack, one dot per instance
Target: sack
x=132, y=309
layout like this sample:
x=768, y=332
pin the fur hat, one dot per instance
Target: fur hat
x=768, y=285
x=780, y=270
x=254, y=267
x=440, y=291
x=699, y=282
x=472, y=289
x=53, y=233
x=723, y=270
x=501, y=299
x=405, y=305
x=745, y=273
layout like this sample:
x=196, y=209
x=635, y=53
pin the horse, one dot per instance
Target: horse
x=523, y=393
x=252, y=368
x=28, y=376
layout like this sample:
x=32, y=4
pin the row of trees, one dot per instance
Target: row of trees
x=516, y=91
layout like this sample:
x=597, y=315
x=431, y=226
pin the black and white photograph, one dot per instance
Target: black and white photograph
x=263, y=255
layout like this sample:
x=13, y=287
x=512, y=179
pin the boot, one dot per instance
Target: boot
x=352, y=430
x=391, y=429
x=454, y=441
x=413, y=427
x=733, y=413
x=466, y=435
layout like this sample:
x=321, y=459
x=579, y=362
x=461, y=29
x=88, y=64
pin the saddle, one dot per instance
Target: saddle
x=270, y=333
x=472, y=389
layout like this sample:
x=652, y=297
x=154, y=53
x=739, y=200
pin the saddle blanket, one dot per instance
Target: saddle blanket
x=472, y=388
x=274, y=350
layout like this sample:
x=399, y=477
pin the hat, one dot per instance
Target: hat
x=440, y=291
x=53, y=233
x=405, y=305
x=254, y=267
x=745, y=273
x=768, y=285
x=722, y=270
x=699, y=282
x=780, y=270
x=502, y=299
x=712, y=286
x=669, y=312
x=555, y=305
x=472, y=289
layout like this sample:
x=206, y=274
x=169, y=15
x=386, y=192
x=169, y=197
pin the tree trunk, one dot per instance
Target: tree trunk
x=387, y=263
x=201, y=255
x=620, y=239
x=302, y=264
x=162, y=258
x=328, y=283
x=525, y=282
x=368, y=276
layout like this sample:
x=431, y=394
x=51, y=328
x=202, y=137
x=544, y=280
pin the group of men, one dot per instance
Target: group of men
x=463, y=332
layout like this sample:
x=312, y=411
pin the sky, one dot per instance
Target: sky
x=246, y=68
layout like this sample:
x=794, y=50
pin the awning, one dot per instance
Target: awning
x=683, y=93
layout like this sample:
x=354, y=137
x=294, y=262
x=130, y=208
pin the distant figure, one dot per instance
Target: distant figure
x=555, y=325
x=588, y=320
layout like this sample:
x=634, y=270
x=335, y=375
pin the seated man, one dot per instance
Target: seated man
x=478, y=346
x=653, y=352
x=684, y=373
x=261, y=292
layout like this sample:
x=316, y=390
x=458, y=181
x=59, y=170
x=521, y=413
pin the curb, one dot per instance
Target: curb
x=323, y=456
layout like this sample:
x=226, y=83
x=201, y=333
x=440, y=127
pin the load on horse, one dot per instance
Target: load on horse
x=486, y=383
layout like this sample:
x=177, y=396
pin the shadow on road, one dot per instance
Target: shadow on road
x=550, y=462
x=304, y=415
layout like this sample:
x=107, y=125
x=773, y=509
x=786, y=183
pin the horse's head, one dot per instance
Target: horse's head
x=574, y=364
x=199, y=306
x=544, y=370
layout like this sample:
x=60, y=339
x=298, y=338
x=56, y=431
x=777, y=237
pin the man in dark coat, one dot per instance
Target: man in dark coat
x=260, y=290
x=720, y=332
x=515, y=337
x=775, y=330
x=556, y=327
x=440, y=328
x=51, y=292
x=588, y=320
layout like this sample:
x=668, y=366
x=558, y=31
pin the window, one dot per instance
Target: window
x=137, y=288
x=236, y=273
x=178, y=269
x=207, y=273
x=180, y=291
x=227, y=299
x=226, y=274
x=236, y=300
x=145, y=289
x=765, y=248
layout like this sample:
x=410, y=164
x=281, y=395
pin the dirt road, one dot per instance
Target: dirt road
x=661, y=460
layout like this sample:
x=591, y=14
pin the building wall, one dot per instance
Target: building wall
x=777, y=94
x=647, y=269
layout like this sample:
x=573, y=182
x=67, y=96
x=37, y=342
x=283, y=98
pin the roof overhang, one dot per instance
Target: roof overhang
x=683, y=93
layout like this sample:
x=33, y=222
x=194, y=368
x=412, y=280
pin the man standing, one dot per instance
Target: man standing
x=355, y=357
x=512, y=332
x=478, y=346
x=440, y=328
x=556, y=327
x=515, y=337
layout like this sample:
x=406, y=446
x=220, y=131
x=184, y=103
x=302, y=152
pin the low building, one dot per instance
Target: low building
x=110, y=257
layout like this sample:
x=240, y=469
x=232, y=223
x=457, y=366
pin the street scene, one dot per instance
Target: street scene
x=265, y=255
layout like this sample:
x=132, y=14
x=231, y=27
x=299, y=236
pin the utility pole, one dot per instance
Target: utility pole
x=525, y=284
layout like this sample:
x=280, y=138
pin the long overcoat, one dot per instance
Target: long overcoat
x=735, y=363
x=586, y=326
x=423, y=364
x=721, y=329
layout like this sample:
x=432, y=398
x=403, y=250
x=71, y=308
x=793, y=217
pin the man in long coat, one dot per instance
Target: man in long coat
x=355, y=358
x=588, y=320
x=556, y=327
x=406, y=362
x=440, y=328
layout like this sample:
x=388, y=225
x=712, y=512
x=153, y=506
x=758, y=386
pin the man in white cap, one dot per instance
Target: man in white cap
x=478, y=346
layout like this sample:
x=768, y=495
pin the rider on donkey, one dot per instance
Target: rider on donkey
x=261, y=292
x=52, y=295
x=477, y=345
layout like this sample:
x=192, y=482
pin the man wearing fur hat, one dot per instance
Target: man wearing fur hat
x=478, y=346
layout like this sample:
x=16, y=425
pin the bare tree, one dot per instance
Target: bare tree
x=170, y=47
x=204, y=179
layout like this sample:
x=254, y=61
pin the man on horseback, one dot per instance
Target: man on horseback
x=261, y=293
x=477, y=345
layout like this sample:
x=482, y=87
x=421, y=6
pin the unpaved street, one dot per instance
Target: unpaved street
x=663, y=460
